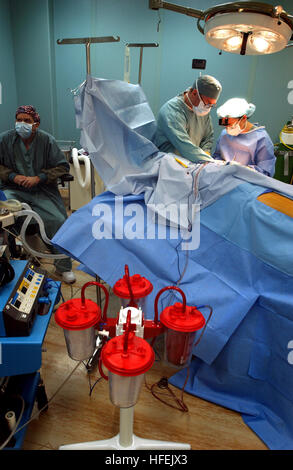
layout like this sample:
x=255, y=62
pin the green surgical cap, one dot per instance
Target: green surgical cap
x=208, y=86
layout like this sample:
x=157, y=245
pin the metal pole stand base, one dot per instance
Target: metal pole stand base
x=126, y=440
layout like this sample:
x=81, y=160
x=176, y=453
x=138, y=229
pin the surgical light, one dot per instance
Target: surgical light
x=261, y=44
x=266, y=34
x=233, y=43
x=222, y=33
x=246, y=28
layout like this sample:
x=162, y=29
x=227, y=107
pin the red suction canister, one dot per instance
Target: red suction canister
x=181, y=322
x=127, y=358
x=79, y=318
x=132, y=290
x=76, y=315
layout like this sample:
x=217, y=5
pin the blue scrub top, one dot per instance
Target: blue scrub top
x=254, y=149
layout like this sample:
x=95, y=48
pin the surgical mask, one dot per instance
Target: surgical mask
x=235, y=129
x=23, y=129
x=201, y=109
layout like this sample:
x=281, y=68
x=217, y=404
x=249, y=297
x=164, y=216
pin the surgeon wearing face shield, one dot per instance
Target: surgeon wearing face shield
x=184, y=124
x=241, y=141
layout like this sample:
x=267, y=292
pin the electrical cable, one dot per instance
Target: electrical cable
x=91, y=386
x=16, y=424
x=163, y=384
x=206, y=324
x=16, y=430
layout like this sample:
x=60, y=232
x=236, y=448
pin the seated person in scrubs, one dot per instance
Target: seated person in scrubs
x=244, y=142
x=184, y=125
x=30, y=163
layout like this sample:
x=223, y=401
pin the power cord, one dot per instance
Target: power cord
x=91, y=386
x=4, y=444
x=163, y=384
x=16, y=429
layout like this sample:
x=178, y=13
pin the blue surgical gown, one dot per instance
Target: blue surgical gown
x=181, y=131
x=254, y=149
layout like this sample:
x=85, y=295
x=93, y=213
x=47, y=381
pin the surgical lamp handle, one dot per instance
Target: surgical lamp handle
x=156, y=320
x=93, y=283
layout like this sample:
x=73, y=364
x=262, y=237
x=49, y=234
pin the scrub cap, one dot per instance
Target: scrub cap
x=235, y=108
x=27, y=109
x=208, y=86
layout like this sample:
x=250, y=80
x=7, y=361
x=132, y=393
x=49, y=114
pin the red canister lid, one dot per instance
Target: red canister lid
x=138, y=358
x=175, y=318
x=141, y=287
x=73, y=315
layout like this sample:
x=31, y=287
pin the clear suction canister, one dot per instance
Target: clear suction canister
x=78, y=322
x=79, y=319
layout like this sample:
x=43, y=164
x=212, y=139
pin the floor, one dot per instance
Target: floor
x=75, y=415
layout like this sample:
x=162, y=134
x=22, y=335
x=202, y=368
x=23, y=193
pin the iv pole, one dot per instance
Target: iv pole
x=141, y=45
x=88, y=42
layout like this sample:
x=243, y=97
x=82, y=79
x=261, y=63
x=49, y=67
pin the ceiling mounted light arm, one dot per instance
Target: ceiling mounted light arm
x=157, y=4
x=250, y=28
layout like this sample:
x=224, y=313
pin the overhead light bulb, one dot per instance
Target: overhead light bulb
x=260, y=44
x=233, y=43
x=243, y=28
x=269, y=35
x=222, y=33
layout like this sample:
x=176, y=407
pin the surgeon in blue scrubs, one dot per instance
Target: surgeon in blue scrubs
x=244, y=142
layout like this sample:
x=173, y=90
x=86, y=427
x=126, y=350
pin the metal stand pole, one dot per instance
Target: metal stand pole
x=141, y=45
x=88, y=42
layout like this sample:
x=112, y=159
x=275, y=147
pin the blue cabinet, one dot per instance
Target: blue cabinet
x=22, y=356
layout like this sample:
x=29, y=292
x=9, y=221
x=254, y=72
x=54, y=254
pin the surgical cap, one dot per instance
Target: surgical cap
x=27, y=109
x=236, y=107
x=208, y=86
